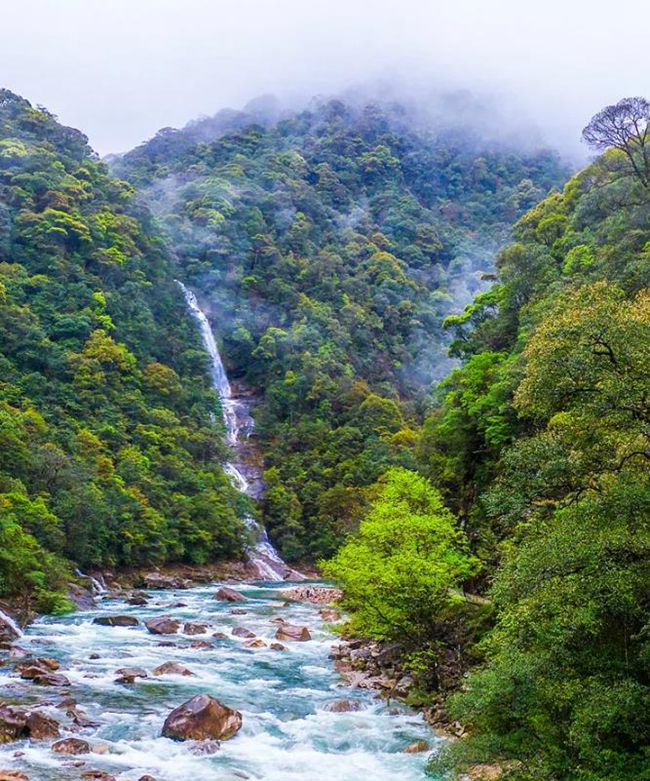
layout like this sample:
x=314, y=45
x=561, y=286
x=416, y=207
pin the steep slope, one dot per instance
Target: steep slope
x=109, y=450
x=328, y=247
x=541, y=444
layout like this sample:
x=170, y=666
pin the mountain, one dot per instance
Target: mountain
x=109, y=453
x=328, y=246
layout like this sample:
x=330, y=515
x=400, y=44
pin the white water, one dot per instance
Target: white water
x=287, y=734
x=7, y=619
x=262, y=555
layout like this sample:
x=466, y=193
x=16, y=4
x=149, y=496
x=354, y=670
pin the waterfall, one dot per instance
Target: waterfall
x=262, y=555
x=6, y=619
x=97, y=585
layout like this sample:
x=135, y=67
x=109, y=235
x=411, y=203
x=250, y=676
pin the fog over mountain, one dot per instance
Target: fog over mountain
x=121, y=70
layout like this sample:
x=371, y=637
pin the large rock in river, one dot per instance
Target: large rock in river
x=202, y=718
x=292, y=632
x=163, y=625
x=229, y=595
x=13, y=723
x=71, y=746
x=116, y=621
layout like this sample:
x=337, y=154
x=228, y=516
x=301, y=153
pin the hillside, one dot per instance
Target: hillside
x=328, y=246
x=109, y=453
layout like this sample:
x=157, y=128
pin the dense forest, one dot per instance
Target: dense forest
x=539, y=445
x=109, y=453
x=328, y=246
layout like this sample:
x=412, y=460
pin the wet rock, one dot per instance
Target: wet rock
x=172, y=668
x=195, y=629
x=202, y=718
x=51, y=679
x=127, y=675
x=137, y=601
x=80, y=718
x=254, y=643
x=229, y=595
x=33, y=668
x=146, y=778
x=327, y=614
x=81, y=596
x=241, y=631
x=417, y=747
x=237, y=611
x=278, y=647
x=42, y=727
x=201, y=644
x=220, y=635
x=97, y=775
x=12, y=775
x=343, y=706
x=71, y=746
x=278, y=621
x=155, y=580
x=15, y=652
x=13, y=723
x=116, y=621
x=8, y=632
x=163, y=625
x=94, y=656
x=292, y=632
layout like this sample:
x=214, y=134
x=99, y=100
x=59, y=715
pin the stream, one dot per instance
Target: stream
x=285, y=695
x=287, y=735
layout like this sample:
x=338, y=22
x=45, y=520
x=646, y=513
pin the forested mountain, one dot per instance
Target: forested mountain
x=109, y=454
x=329, y=246
x=540, y=444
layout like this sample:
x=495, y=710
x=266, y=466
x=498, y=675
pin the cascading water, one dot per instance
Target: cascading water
x=9, y=622
x=263, y=557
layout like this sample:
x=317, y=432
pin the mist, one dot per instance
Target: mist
x=119, y=70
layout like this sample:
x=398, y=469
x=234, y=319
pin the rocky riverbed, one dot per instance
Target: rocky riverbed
x=228, y=681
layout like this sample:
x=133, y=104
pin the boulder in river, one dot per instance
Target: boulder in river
x=172, y=668
x=13, y=723
x=163, y=625
x=202, y=718
x=256, y=643
x=42, y=727
x=191, y=628
x=116, y=621
x=417, y=747
x=33, y=668
x=51, y=679
x=201, y=644
x=343, y=706
x=8, y=629
x=292, y=632
x=278, y=647
x=97, y=775
x=241, y=631
x=229, y=595
x=12, y=775
x=71, y=746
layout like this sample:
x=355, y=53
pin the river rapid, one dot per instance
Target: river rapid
x=288, y=733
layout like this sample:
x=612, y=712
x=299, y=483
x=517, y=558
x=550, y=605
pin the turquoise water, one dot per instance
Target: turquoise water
x=287, y=733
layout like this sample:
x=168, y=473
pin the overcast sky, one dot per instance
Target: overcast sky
x=121, y=69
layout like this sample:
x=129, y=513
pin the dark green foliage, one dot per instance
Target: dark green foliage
x=330, y=246
x=542, y=443
x=108, y=450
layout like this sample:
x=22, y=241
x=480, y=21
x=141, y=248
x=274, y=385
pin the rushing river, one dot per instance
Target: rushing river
x=287, y=735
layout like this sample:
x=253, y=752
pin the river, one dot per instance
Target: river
x=287, y=735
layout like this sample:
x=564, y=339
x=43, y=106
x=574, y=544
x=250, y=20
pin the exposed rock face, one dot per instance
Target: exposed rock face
x=156, y=580
x=317, y=595
x=163, y=625
x=229, y=595
x=81, y=596
x=172, y=668
x=202, y=718
x=343, y=706
x=71, y=746
x=292, y=632
x=116, y=621
x=42, y=727
x=417, y=748
x=241, y=631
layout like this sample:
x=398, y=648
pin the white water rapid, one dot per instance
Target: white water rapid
x=289, y=732
x=13, y=626
x=263, y=557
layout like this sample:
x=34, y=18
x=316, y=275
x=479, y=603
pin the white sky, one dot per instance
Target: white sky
x=121, y=69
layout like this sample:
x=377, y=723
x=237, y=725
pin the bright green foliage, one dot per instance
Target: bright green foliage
x=400, y=569
x=108, y=450
x=330, y=246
